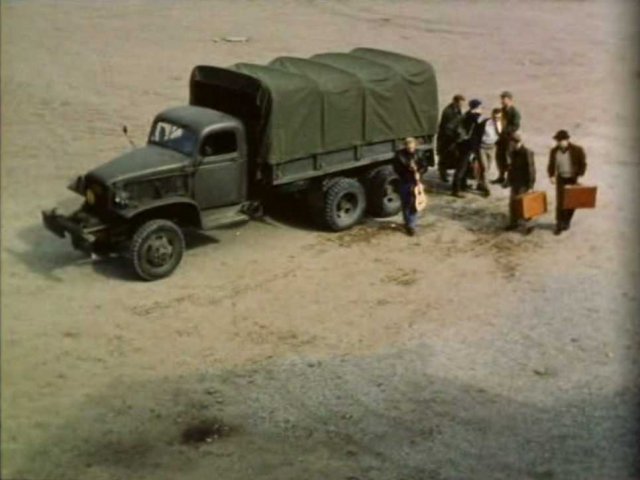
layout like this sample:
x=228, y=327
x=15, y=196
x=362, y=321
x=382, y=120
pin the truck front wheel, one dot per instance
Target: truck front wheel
x=156, y=249
x=344, y=203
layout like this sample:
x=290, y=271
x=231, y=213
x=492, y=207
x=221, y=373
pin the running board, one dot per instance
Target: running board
x=223, y=217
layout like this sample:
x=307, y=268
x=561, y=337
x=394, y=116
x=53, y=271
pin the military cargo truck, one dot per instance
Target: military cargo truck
x=325, y=127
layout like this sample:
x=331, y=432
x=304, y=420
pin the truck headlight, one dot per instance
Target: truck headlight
x=90, y=196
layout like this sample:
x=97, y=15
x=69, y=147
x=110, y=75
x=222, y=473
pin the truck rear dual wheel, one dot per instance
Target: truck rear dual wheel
x=383, y=193
x=156, y=249
x=344, y=203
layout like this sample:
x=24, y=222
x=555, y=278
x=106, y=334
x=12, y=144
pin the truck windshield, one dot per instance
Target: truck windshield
x=175, y=137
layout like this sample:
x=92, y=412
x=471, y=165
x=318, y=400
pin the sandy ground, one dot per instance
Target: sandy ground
x=463, y=353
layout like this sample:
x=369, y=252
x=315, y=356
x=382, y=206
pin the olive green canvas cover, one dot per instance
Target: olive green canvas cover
x=342, y=101
x=420, y=85
x=294, y=128
x=297, y=107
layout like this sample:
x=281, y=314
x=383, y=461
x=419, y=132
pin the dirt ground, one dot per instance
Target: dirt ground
x=277, y=351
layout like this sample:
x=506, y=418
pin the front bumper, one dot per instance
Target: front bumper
x=83, y=229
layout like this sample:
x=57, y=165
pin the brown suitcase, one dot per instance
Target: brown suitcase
x=531, y=205
x=579, y=196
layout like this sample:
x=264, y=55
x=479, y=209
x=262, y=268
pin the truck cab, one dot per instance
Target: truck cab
x=216, y=147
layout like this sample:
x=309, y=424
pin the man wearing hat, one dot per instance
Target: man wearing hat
x=448, y=134
x=521, y=178
x=567, y=162
x=511, y=120
x=406, y=164
x=469, y=137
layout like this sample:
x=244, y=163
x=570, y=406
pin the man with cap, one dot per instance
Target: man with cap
x=567, y=162
x=521, y=178
x=511, y=120
x=468, y=143
x=406, y=164
x=447, y=134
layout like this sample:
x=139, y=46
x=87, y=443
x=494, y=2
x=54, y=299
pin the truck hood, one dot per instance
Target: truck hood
x=141, y=162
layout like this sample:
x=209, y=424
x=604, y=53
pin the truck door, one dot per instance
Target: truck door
x=220, y=177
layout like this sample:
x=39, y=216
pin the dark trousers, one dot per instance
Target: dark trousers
x=515, y=191
x=502, y=158
x=462, y=170
x=563, y=216
x=409, y=213
x=446, y=159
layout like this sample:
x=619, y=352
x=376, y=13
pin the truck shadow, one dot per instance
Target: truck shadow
x=294, y=213
x=383, y=416
x=119, y=268
x=47, y=255
x=288, y=210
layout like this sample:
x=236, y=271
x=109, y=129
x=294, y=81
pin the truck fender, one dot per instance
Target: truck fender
x=183, y=210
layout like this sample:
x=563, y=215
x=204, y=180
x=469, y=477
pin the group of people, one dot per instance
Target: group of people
x=469, y=144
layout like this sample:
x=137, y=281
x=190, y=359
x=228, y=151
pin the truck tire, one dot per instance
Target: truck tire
x=383, y=194
x=344, y=203
x=156, y=249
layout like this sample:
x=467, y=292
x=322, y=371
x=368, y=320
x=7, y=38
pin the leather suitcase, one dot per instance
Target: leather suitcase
x=531, y=205
x=579, y=196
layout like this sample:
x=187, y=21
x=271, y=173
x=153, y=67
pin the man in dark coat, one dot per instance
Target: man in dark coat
x=521, y=178
x=511, y=121
x=467, y=145
x=567, y=162
x=447, y=135
x=408, y=168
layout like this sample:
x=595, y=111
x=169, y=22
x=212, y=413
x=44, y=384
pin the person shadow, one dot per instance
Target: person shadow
x=476, y=213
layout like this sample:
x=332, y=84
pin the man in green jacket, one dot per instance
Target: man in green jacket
x=567, y=162
x=511, y=120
